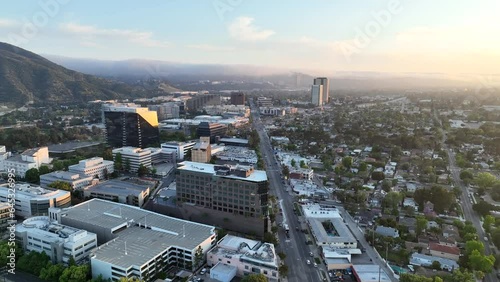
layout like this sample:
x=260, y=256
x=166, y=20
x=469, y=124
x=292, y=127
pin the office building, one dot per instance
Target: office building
x=130, y=125
x=225, y=191
x=264, y=102
x=237, y=98
x=323, y=81
x=130, y=191
x=59, y=242
x=136, y=242
x=213, y=130
x=133, y=157
x=5, y=216
x=34, y=200
x=317, y=95
x=31, y=158
x=237, y=142
x=181, y=148
x=76, y=180
x=165, y=110
x=93, y=167
x=201, y=152
x=197, y=102
x=4, y=154
x=245, y=256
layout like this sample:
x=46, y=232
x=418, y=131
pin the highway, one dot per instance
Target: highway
x=466, y=204
x=297, y=252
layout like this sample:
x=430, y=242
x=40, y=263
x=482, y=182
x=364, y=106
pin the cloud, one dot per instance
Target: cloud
x=242, y=29
x=89, y=33
x=8, y=23
x=212, y=48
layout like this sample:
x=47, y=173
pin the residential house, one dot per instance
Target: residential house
x=444, y=251
x=387, y=231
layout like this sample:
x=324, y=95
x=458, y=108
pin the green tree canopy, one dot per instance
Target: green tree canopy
x=254, y=278
x=485, y=180
x=60, y=185
x=32, y=175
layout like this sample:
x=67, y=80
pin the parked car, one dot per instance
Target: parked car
x=203, y=271
x=308, y=262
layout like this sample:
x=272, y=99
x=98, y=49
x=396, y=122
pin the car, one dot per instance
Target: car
x=311, y=254
x=315, y=265
x=203, y=271
x=308, y=262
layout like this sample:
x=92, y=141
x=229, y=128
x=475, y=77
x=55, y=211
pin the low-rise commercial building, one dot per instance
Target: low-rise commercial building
x=33, y=200
x=426, y=261
x=239, y=142
x=247, y=256
x=234, y=154
x=31, y=158
x=136, y=242
x=93, y=167
x=181, y=148
x=59, y=242
x=76, y=180
x=135, y=157
x=130, y=191
x=370, y=273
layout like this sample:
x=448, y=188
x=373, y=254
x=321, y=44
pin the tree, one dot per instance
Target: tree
x=142, y=170
x=127, y=164
x=378, y=175
x=43, y=170
x=198, y=257
x=407, y=277
x=285, y=170
x=254, y=278
x=58, y=184
x=51, y=272
x=75, y=274
x=483, y=208
x=488, y=221
x=347, y=162
x=283, y=270
x=485, y=180
x=153, y=170
x=421, y=224
x=293, y=163
x=303, y=164
x=474, y=245
x=32, y=175
x=392, y=199
x=363, y=166
x=480, y=262
x=495, y=237
x=461, y=276
x=467, y=176
x=118, y=162
x=386, y=185
x=436, y=265
x=107, y=154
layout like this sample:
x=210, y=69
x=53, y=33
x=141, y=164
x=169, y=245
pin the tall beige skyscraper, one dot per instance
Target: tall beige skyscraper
x=326, y=88
x=317, y=95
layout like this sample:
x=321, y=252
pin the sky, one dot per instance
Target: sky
x=424, y=36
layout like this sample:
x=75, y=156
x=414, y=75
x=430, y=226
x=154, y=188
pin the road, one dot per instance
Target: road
x=469, y=213
x=294, y=247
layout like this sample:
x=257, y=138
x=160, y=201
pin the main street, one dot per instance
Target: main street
x=297, y=252
x=469, y=213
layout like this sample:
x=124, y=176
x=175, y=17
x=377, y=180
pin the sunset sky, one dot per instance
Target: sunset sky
x=447, y=36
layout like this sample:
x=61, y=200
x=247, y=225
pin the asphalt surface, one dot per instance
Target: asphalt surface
x=297, y=252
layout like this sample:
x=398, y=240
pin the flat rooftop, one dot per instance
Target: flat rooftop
x=120, y=187
x=28, y=191
x=111, y=215
x=223, y=268
x=43, y=227
x=340, y=232
x=255, y=176
x=233, y=140
x=247, y=250
x=69, y=147
x=370, y=273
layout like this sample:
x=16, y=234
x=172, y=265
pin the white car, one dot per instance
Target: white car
x=308, y=262
x=315, y=265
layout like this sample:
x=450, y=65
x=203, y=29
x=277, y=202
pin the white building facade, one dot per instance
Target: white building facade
x=93, y=167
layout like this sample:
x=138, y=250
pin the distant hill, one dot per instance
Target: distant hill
x=25, y=77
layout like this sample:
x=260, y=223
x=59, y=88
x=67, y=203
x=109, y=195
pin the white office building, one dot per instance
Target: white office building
x=246, y=256
x=93, y=167
x=135, y=156
x=59, y=242
x=181, y=148
x=3, y=156
x=76, y=180
x=31, y=158
x=34, y=200
x=136, y=242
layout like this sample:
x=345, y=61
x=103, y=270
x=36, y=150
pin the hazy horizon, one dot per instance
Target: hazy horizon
x=387, y=36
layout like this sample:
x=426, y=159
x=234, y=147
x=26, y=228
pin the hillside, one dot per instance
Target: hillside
x=25, y=76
